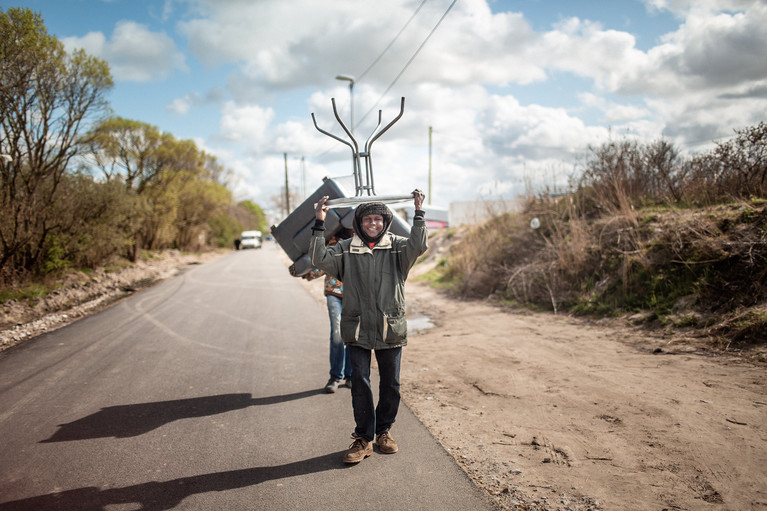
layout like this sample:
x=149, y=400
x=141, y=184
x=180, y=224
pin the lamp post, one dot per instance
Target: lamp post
x=350, y=79
x=429, y=165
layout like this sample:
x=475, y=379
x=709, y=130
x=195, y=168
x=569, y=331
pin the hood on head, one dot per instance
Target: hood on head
x=372, y=208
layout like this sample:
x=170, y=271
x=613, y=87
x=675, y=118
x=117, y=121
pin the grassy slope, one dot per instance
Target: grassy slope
x=703, y=271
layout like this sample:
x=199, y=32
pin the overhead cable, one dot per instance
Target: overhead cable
x=408, y=62
x=359, y=76
x=375, y=61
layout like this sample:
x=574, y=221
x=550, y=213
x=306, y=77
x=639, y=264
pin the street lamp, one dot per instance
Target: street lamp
x=350, y=79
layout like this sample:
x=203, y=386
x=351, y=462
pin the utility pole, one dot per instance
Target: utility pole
x=303, y=178
x=429, y=196
x=287, y=190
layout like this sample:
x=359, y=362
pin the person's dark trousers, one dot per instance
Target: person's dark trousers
x=373, y=419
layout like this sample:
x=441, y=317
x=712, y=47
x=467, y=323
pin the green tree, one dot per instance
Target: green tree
x=149, y=163
x=47, y=99
x=200, y=201
x=183, y=188
x=97, y=220
x=206, y=210
x=128, y=150
x=258, y=220
x=224, y=227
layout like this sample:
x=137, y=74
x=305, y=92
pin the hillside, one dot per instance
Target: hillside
x=697, y=273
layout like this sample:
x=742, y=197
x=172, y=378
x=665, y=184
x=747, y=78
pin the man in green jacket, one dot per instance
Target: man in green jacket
x=373, y=266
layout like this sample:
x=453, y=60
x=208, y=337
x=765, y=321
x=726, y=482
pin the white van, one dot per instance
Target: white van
x=250, y=239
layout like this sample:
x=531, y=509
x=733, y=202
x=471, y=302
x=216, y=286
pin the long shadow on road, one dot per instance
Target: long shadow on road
x=132, y=420
x=157, y=496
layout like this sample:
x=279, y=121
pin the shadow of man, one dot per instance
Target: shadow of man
x=157, y=496
x=125, y=421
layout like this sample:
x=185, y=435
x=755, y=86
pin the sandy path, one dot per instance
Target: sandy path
x=549, y=412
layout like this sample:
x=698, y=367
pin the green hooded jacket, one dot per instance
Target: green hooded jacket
x=373, y=312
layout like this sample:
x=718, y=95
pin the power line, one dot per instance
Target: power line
x=408, y=62
x=359, y=76
x=375, y=61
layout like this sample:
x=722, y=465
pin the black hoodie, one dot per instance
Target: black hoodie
x=372, y=208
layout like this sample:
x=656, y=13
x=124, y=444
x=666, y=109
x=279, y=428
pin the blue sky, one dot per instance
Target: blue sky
x=515, y=91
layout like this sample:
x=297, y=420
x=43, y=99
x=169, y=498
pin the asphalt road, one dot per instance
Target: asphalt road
x=203, y=392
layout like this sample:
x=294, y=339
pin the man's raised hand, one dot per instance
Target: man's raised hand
x=418, y=197
x=321, y=210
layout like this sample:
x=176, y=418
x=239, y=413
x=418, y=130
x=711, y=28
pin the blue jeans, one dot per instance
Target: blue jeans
x=372, y=421
x=340, y=367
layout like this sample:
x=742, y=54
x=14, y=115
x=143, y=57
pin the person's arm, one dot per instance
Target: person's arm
x=322, y=257
x=314, y=273
x=311, y=275
x=417, y=243
x=418, y=198
x=320, y=212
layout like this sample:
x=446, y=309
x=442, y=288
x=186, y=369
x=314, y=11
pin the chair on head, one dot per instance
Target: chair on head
x=364, y=185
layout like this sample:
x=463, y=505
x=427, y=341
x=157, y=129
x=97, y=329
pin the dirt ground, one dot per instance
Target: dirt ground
x=549, y=412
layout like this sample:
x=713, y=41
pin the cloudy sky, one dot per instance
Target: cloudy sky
x=513, y=91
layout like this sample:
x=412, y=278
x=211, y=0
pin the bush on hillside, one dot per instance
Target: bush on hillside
x=627, y=238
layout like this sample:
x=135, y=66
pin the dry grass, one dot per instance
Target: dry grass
x=704, y=270
x=642, y=230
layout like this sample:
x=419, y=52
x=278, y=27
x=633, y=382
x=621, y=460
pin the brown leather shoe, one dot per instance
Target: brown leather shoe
x=358, y=451
x=386, y=443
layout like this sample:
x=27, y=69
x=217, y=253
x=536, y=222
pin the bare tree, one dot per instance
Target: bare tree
x=744, y=162
x=664, y=170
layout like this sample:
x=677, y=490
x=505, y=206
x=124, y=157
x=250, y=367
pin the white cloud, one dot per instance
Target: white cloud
x=134, y=52
x=279, y=52
x=93, y=43
x=182, y=106
x=585, y=49
x=613, y=112
x=620, y=113
x=336, y=35
x=247, y=125
x=720, y=49
x=534, y=132
x=473, y=45
x=703, y=80
x=711, y=51
x=683, y=7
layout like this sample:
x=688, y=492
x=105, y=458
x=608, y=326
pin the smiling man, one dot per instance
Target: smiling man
x=373, y=265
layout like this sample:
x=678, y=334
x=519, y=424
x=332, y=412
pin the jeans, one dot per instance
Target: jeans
x=372, y=421
x=340, y=367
